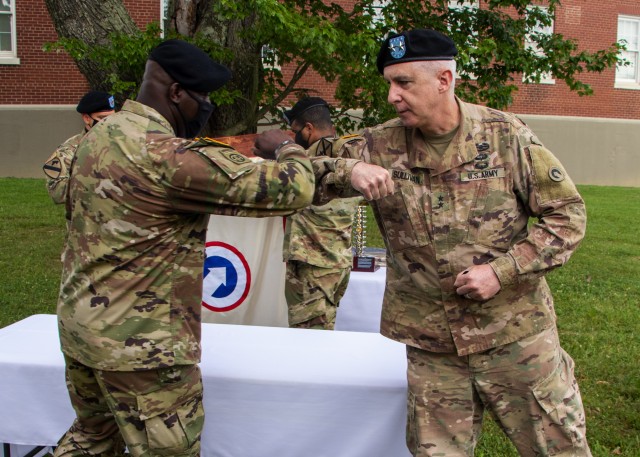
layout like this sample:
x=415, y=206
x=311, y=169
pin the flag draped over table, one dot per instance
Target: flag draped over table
x=244, y=274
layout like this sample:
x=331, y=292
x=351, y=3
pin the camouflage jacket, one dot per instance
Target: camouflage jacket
x=321, y=235
x=138, y=207
x=467, y=208
x=56, y=168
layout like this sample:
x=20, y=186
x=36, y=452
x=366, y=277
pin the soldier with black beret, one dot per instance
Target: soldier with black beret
x=466, y=289
x=94, y=106
x=140, y=192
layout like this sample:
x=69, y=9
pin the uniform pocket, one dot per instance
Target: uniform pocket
x=563, y=425
x=493, y=218
x=173, y=416
x=412, y=427
x=403, y=219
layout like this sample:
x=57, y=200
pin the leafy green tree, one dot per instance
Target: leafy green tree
x=259, y=39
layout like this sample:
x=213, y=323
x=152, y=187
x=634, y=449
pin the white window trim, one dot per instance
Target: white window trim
x=11, y=57
x=629, y=83
x=269, y=66
x=379, y=6
x=164, y=5
x=546, y=78
x=461, y=5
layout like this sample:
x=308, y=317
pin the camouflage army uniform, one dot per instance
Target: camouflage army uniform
x=471, y=207
x=317, y=249
x=56, y=168
x=130, y=298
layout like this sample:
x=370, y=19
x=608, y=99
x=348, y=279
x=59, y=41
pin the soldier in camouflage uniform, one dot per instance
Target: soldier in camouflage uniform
x=317, y=239
x=93, y=106
x=465, y=287
x=137, y=205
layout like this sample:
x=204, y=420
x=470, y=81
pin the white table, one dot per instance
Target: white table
x=269, y=392
x=361, y=305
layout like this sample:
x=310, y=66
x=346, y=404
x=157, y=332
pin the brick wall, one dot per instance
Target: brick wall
x=50, y=78
x=595, y=23
x=46, y=78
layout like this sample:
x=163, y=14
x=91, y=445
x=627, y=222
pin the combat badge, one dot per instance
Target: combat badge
x=52, y=168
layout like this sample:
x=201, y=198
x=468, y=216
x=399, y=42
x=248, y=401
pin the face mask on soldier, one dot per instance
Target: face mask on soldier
x=195, y=125
x=299, y=139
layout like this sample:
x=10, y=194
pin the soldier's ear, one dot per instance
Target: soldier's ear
x=175, y=92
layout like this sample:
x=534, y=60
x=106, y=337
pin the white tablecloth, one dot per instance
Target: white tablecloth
x=269, y=392
x=360, y=307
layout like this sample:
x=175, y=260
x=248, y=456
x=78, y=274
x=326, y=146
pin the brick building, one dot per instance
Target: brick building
x=32, y=77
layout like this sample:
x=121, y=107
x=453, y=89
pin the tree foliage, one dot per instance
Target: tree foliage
x=260, y=38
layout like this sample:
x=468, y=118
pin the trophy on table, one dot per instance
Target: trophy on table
x=361, y=262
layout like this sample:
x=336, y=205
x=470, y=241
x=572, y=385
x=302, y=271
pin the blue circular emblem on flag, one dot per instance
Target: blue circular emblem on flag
x=226, y=279
x=397, y=47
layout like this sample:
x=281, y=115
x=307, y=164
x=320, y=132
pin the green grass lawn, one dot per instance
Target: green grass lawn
x=597, y=297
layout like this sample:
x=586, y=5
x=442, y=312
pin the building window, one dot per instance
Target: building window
x=164, y=14
x=8, y=54
x=378, y=10
x=465, y=7
x=538, y=29
x=629, y=33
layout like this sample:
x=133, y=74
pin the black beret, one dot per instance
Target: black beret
x=302, y=106
x=96, y=101
x=413, y=45
x=190, y=66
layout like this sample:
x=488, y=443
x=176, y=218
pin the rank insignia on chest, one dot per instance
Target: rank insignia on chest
x=490, y=173
x=439, y=201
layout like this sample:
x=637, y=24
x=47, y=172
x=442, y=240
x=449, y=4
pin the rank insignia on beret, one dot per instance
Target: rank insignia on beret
x=112, y=102
x=397, y=47
x=556, y=174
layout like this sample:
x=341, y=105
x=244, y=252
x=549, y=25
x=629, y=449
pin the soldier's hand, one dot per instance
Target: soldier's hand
x=267, y=142
x=372, y=181
x=477, y=283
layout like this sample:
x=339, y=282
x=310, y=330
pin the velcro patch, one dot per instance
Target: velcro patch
x=52, y=168
x=490, y=173
x=230, y=161
x=552, y=180
x=406, y=176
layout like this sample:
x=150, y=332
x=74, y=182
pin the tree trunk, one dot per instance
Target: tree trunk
x=93, y=21
x=191, y=17
x=90, y=22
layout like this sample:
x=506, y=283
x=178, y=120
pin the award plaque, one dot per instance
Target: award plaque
x=361, y=262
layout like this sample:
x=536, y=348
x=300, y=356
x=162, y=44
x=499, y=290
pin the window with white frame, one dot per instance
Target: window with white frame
x=629, y=33
x=378, y=9
x=164, y=13
x=8, y=54
x=539, y=29
x=465, y=6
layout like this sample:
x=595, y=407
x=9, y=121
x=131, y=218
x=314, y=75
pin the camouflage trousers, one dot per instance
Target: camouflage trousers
x=313, y=294
x=528, y=386
x=153, y=413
